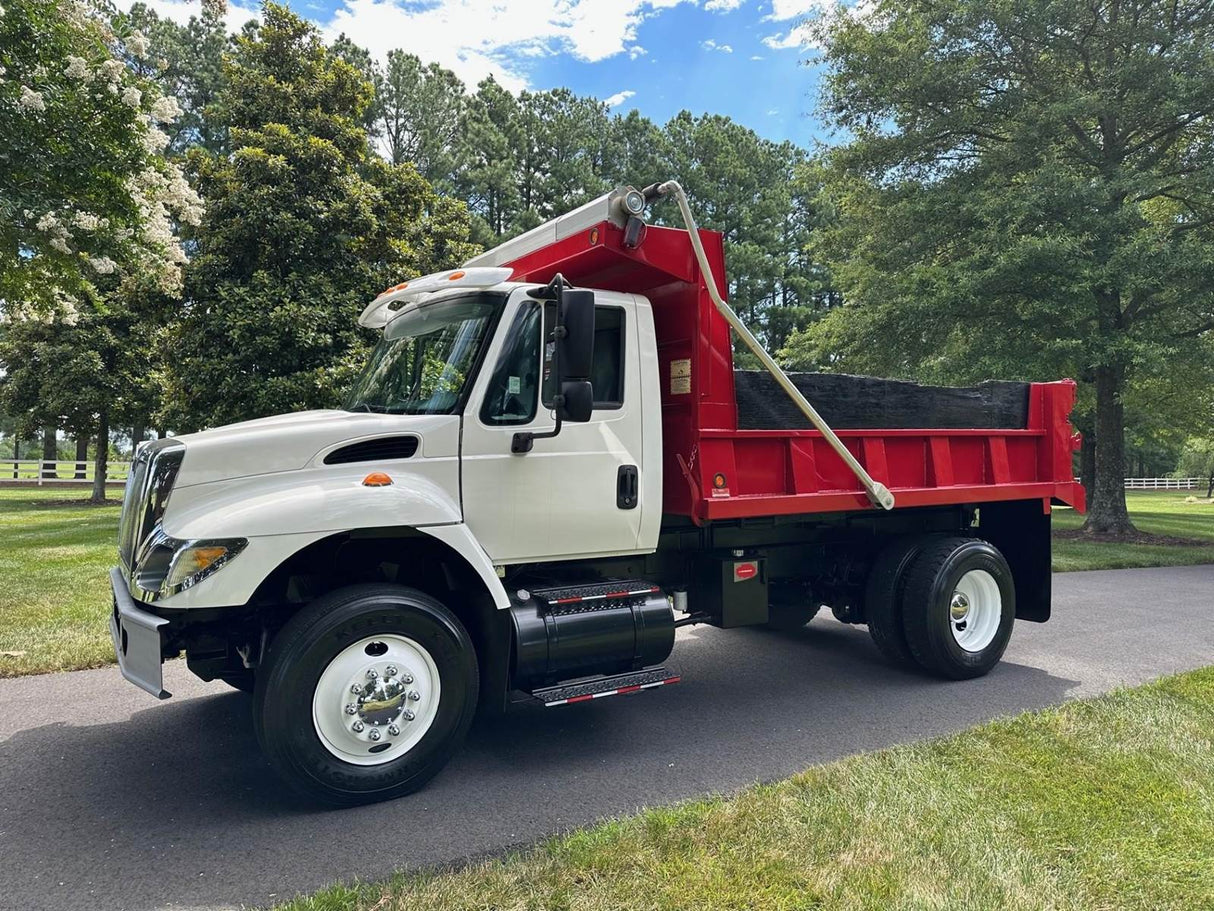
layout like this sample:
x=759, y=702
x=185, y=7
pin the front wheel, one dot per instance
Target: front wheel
x=958, y=607
x=366, y=694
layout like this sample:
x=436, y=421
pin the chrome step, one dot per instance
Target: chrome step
x=615, y=685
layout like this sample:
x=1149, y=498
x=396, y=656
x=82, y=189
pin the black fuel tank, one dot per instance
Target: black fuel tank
x=606, y=628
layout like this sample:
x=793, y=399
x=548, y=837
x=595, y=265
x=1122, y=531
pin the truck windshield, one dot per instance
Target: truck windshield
x=427, y=357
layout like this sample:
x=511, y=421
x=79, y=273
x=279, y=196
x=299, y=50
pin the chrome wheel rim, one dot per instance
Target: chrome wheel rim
x=975, y=610
x=376, y=699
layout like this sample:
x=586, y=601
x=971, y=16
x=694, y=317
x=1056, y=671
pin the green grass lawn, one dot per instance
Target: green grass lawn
x=1159, y=512
x=54, y=596
x=1100, y=804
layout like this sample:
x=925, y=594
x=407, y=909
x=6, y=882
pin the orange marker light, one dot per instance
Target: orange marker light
x=594, y=236
x=718, y=481
x=455, y=276
x=377, y=479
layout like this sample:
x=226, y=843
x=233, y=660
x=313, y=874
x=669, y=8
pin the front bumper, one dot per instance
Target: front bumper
x=137, y=639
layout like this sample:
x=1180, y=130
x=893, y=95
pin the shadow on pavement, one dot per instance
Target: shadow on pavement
x=176, y=807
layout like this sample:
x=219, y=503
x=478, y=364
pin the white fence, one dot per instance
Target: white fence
x=38, y=471
x=1164, y=483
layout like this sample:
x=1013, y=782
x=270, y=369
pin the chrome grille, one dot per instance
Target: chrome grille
x=147, y=492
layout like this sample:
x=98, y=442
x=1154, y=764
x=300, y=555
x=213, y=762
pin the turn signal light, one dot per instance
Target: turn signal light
x=377, y=479
x=455, y=276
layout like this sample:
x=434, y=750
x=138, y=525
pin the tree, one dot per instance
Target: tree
x=90, y=206
x=84, y=186
x=420, y=110
x=1027, y=190
x=303, y=227
x=1197, y=460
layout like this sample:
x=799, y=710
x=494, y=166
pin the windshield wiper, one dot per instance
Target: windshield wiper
x=365, y=407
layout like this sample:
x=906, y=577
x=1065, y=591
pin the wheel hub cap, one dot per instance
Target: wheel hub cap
x=975, y=610
x=376, y=699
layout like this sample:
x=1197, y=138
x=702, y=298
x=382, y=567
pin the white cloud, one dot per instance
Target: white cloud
x=799, y=37
x=791, y=9
x=722, y=6
x=757, y=57
x=636, y=51
x=618, y=98
x=476, y=38
x=181, y=11
x=711, y=45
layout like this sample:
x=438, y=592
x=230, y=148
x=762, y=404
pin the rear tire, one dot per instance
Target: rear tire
x=959, y=607
x=883, y=596
x=366, y=694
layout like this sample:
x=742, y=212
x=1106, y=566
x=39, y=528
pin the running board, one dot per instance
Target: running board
x=615, y=685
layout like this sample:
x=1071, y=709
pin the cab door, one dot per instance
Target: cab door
x=578, y=493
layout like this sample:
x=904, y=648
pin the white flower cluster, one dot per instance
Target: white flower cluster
x=161, y=195
x=132, y=96
x=87, y=221
x=77, y=68
x=165, y=109
x=137, y=44
x=59, y=234
x=29, y=101
x=103, y=265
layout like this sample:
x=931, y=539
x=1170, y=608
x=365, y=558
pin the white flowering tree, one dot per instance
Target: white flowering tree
x=90, y=209
x=87, y=197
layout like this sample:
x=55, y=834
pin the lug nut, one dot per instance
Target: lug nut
x=351, y=709
x=394, y=729
x=356, y=690
x=373, y=734
x=414, y=695
x=408, y=678
x=390, y=671
x=357, y=727
x=408, y=715
x=372, y=673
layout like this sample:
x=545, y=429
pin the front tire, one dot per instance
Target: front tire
x=958, y=607
x=366, y=694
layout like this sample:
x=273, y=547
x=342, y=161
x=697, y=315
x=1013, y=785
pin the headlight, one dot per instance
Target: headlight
x=195, y=562
x=168, y=566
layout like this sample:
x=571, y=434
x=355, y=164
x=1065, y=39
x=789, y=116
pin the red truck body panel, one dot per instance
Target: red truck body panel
x=713, y=470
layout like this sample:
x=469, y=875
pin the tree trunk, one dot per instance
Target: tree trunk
x=16, y=456
x=50, y=451
x=1107, y=513
x=100, y=465
x=137, y=435
x=82, y=455
x=1210, y=489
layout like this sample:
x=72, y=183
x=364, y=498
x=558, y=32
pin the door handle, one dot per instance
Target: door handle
x=626, y=487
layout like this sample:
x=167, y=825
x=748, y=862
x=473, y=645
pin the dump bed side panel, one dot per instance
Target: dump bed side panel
x=714, y=470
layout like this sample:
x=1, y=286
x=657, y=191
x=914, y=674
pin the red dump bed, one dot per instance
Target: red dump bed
x=713, y=470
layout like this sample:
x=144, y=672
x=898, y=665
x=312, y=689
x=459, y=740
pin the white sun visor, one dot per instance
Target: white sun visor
x=377, y=313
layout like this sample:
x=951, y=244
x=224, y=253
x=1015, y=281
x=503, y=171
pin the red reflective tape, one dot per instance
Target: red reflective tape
x=580, y=698
x=629, y=689
x=566, y=600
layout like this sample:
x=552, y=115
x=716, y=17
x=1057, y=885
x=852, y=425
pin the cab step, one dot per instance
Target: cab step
x=595, y=596
x=615, y=685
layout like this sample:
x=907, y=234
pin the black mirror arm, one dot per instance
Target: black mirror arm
x=522, y=441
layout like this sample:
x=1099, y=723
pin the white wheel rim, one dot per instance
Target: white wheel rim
x=975, y=610
x=376, y=699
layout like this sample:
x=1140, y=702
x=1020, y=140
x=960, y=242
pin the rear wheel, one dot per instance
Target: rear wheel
x=366, y=694
x=883, y=595
x=959, y=607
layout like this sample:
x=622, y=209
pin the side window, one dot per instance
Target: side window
x=607, y=368
x=511, y=394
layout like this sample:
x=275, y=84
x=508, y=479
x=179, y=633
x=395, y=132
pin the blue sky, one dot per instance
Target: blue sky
x=742, y=58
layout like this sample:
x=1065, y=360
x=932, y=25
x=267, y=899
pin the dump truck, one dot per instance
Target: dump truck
x=551, y=463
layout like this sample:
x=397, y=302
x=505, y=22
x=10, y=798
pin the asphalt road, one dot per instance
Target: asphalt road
x=111, y=800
